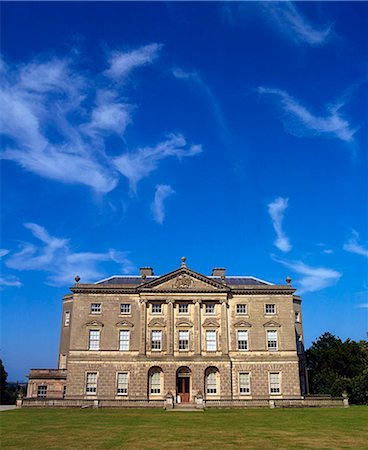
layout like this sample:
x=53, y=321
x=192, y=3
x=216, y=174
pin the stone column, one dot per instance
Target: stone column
x=170, y=326
x=143, y=330
x=197, y=328
x=224, y=328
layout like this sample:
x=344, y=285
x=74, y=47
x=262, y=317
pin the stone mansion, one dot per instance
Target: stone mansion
x=182, y=337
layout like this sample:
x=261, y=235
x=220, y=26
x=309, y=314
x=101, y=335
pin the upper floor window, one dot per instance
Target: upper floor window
x=275, y=385
x=96, y=308
x=241, y=309
x=270, y=308
x=42, y=391
x=67, y=318
x=91, y=383
x=242, y=340
x=156, y=308
x=211, y=341
x=244, y=383
x=183, y=340
x=210, y=308
x=272, y=343
x=94, y=340
x=122, y=384
x=297, y=316
x=183, y=308
x=156, y=340
x=124, y=340
x=125, y=308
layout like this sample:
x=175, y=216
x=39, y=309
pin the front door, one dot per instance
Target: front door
x=183, y=389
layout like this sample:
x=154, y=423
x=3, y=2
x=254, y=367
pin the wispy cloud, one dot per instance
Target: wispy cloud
x=312, y=278
x=276, y=210
x=196, y=79
x=122, y=63
x=299, y=121
x=9, y=281
x=362, y=305
x=55, y=256
x=139, y=164
x=353, y=245
x=3, y=252
x=162, y=192
x=295, y=25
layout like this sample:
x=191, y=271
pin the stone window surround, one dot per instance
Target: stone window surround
x=96, y=308
x=279, y=373
x=87, y=383
x=117, y=384
x=248, y=386
x=125, y=313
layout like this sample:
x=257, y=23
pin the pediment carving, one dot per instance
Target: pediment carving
x=183, y=281
x=242, y=323
x=271, y=323
x=211, y=323
x=125, y=323
x=157, y=323
x=94, y=323
x=184, y=323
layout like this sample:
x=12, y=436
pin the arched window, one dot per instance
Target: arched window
x=155, y=381
x=212, y=381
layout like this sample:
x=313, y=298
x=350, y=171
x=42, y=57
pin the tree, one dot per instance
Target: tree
x=336, y=366
x=3, y=383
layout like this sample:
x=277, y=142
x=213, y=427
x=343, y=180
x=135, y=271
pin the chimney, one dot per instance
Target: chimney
x=219, y=272
x=146, y=272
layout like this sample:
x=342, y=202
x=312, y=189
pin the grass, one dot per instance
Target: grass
x=158, y=429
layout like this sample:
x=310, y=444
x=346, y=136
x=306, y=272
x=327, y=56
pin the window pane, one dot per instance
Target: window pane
x=210, y=308
x=42, y=391
x=124, y=340
x=156, y=308
x=211, y=383
x=184, y=340
x=270, y=309
x=275, y=383
x=94, y=339
x=272, y=340
x=244, y=383
x=243, y=340
x=156, y=383
x=124, y=308
x=67, y=318
x=91, y=383
x=211, y=341
x=183, y=308
x=156, y=340
x=122, y=384
x=241, y=309
x=95, y=308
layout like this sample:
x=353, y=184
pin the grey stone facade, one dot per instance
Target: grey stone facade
x=186, y=335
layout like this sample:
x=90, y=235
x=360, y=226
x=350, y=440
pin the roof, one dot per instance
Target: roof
x=135, y=280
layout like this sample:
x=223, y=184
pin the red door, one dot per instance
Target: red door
x=183, y=389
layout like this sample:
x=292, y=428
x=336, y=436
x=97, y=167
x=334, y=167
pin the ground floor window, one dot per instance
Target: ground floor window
x=155, y=381
x=122, y=384
x=275, y=383
x=244, y=383
x=211, y=380
x=91, y=383
x=42, y=391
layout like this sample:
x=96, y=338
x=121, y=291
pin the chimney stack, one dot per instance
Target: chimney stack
x=219, y=272
x=146, y=272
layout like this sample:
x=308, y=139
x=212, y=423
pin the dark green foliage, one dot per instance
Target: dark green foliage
x=3, y=378
x=336, y=367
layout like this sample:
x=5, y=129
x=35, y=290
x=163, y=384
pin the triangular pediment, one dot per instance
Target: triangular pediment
x=94, y=323
x=125, y=323
x=156, y=323
x=211, y=323
x=271, y=323
x=242, y=323
x=183, y=280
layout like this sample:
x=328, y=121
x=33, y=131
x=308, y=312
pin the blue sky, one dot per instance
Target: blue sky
x=135, y=133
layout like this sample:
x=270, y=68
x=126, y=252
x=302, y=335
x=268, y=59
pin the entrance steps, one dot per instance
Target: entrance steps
x=185, y=407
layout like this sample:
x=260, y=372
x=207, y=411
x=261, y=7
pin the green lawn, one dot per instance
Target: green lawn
x=158, y=429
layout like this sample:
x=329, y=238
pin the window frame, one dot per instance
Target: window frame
x=119, y=383
x=126, y=341
x=268, y=306
x=211, y=385
x=97, y=306
x=91, y=386
x=43, y=388
x=93, y=340
x=272, y=348
x=185, y=306
x=155, y=390
x=67, y=318
x=243, y=342
x=272, y=390
x=184, y=343
x=158, y=306
x=208, y=341
x=209, y=306
x=246, y=385
x=156, y=347
x=123, y=313
x=238, y=307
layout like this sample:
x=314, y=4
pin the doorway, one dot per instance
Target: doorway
x=183, y=375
